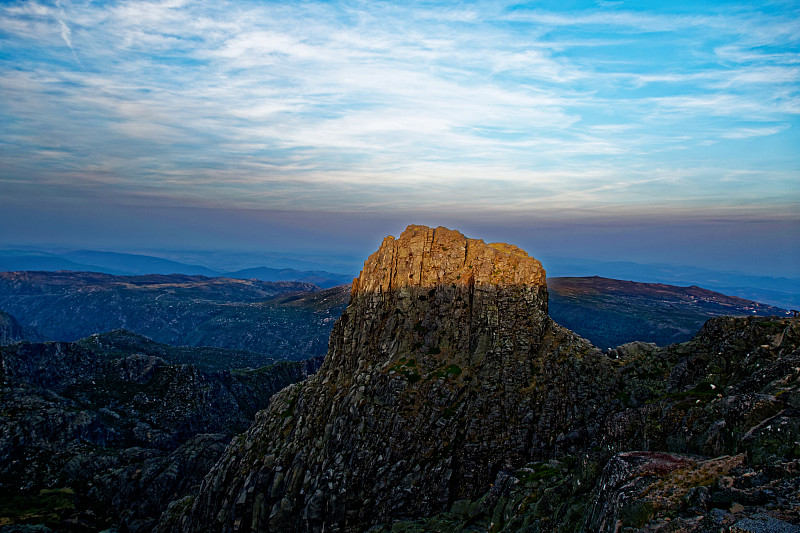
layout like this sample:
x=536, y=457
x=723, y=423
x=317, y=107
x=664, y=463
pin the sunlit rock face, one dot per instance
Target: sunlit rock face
x=424, y=396
x=427, y=257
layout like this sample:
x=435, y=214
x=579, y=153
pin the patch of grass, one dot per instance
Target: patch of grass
x=453, y=370
x=536, y=471
x=48, y=506
x=446, y=372
x=407, y=368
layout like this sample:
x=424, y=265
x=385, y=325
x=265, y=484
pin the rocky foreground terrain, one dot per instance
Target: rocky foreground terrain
x=450, y=401
x=93, y=435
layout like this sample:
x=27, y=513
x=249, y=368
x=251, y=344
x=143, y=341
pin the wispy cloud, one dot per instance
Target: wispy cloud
x=352, y=105
x=745, y=133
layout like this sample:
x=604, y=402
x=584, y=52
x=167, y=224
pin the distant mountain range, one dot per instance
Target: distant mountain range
x=136, y=264
x=272, y=321
x=778, y=291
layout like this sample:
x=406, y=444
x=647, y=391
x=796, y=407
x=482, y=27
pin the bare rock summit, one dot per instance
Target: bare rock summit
x=428, y=257
x=419, y=402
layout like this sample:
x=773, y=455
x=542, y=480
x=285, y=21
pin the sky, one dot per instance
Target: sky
x=640, y=131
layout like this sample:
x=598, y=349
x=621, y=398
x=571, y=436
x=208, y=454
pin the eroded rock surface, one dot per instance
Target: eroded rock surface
x=432, y=257
x=449, y=401
x=421, y=400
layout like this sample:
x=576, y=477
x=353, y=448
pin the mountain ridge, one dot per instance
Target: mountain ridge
x=776, y=290
x=129, y=264
x=175, y=309
x=611, y=312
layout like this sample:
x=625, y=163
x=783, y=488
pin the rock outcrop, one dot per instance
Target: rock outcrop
x=449, y=401
x=427, y=393
x=426, y=257
x=698, y=437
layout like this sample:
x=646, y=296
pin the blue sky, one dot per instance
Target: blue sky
x=657, y=131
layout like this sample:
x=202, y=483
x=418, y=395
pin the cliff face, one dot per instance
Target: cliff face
x=424, y=397
x=426, y=257
x=449, y=401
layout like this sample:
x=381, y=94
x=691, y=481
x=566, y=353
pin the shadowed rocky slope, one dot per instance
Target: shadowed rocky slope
x=422, y=371
x=10, y=330
x=448, y=393
x=89, y=440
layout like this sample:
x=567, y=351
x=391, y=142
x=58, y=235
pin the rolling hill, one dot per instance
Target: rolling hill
x=610, y=312
x=269, y=318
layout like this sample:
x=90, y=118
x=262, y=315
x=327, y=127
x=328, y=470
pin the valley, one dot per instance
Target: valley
x=280, y=320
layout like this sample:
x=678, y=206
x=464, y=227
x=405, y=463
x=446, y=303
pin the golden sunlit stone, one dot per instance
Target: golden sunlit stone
x=428, y=257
